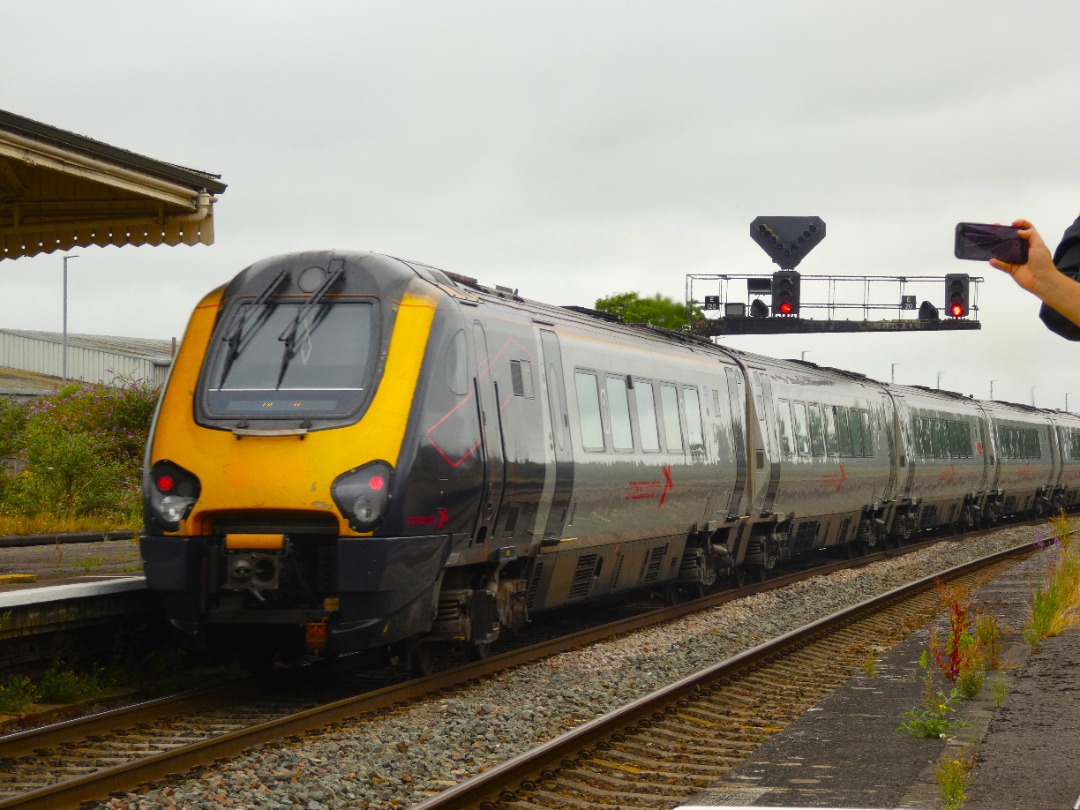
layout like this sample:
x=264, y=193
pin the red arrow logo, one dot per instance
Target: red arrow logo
x=668, y=484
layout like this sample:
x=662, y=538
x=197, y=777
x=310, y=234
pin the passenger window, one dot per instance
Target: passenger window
x=783, y=423
x=954, y=439
x=669, y=403
x=694, y=432
x=831, y=444
x=588, y=398
x=868, y=433
x=843, y=431
x=858, y=448
x=802, y=431
x=817, y=434
x=646, y=412
x=622, y=438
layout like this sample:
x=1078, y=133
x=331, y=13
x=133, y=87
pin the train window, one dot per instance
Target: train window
x=802, y=429
x=832, y=446
x=588, y=398
x=952, y=439
x=918, y=434
x=1034, y=450
x=843, y=431
x=783, y=424
x=669, y=403
x=456, y=363
x=868, y=433
x=817, y=431
x=646, y=413
x=858, y=438
x=324, y=369
x=622, y=438
x=695, y=434
x=521, y=378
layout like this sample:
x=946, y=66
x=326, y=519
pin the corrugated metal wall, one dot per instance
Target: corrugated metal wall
x=86, y=364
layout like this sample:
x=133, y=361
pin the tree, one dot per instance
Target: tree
x=658, y=310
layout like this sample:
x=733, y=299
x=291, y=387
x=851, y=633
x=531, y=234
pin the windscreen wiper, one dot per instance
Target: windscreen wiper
x=289, y=336
x=236, y=335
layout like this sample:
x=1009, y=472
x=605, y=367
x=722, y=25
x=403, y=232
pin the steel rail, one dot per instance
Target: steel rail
x=486, y=789
x=154, y=767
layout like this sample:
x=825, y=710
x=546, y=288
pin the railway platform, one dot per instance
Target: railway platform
x=60, y=599
x=850, y=753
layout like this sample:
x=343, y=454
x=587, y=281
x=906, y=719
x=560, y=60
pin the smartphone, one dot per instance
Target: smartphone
x=984, y=242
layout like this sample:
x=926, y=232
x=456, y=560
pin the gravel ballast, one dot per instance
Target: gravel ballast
x=402, y=758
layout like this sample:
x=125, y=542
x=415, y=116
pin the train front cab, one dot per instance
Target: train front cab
x=277, y=512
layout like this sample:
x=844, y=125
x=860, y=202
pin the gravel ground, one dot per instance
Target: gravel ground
x=400, y=759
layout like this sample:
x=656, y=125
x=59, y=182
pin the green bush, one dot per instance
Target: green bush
x=80, y=451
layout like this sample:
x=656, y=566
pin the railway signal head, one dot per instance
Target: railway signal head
x=787, y=240
x=785, y=293
x=957, y=287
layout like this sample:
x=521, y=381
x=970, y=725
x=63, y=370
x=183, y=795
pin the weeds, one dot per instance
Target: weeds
x=952, y=775
x=16, y=695
x=78, y=454
x=999, y=690
x=90, y=563
x=869, y=665
x=1055, y=600
x=936, y=716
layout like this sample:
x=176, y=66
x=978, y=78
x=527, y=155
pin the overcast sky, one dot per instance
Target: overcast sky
x=574, y=150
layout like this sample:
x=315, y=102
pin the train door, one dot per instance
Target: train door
x=491, y=438
x=767, y=457
x=560, y=436
x=737, y=425
x=906, y=450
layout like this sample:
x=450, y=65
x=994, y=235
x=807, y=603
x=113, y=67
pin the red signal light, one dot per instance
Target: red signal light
x=166, y=483
x=957, y=310
x=785, y=308
x=376, y=483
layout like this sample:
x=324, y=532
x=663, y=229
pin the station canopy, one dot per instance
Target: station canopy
x=59, y=190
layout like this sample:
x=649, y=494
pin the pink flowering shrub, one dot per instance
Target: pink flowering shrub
x=79, y=452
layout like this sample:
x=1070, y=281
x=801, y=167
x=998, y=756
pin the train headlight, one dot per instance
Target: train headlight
x=363, y=495
x=171, y=492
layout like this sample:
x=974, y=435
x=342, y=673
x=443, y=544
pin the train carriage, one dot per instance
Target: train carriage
x=1023, y=452
x=828, y=458
x=1067, y=440
x=944, y=470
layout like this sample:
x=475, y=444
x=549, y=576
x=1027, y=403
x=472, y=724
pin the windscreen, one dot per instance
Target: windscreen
x=282, y=361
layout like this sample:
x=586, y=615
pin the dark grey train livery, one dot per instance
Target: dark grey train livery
x=357, y=452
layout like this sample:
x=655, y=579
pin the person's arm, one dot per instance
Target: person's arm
x=1041, y=277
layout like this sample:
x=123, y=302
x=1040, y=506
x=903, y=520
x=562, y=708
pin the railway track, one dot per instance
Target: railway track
x=668, y=746
x=76, y=761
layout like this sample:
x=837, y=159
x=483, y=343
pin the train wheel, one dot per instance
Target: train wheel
x=477, y=652
x=421, y=659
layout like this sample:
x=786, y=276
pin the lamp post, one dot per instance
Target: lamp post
x=892, y=372
x=1033, y=395
x=939, y=379
x=803, y=355
x=64, y=377
x=992, y=388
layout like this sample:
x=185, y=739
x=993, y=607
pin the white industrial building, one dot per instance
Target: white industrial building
x=33, y=363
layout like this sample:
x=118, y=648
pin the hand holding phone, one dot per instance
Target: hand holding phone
x=982, y=242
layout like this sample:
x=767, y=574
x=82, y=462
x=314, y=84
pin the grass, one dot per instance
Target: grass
x=1055, y=599
x=51, y=524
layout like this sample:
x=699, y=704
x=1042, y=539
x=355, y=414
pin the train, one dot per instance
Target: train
x=358, y=453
